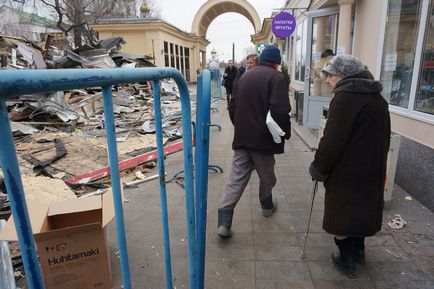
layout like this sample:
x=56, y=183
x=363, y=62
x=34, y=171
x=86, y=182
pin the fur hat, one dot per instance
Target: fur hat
x=344, y=65
x=270, y=54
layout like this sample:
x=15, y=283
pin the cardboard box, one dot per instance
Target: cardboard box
x=71, y=241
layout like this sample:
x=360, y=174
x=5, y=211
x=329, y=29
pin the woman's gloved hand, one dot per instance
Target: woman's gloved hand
x=316, y=174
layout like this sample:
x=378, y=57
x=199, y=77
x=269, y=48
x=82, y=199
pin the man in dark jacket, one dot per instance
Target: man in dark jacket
x=259, y=91
x=251, y=61
x=229, y=77
x=351, y=159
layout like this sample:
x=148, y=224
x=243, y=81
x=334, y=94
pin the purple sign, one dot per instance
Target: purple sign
x=283, y=24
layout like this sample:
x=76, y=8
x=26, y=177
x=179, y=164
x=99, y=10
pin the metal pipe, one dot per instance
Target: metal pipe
x=14, y=186
x=18, y=82
x=188, y=171
x=116, y=184
x=161, y=173
x=203, y=111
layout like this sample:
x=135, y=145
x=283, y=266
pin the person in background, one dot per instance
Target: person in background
x=229, y=77
x=351, y=159
x=251, y=61
x=326, y=56
x=259, y=91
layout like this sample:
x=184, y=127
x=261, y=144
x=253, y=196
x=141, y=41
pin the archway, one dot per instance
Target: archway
x=211, y=9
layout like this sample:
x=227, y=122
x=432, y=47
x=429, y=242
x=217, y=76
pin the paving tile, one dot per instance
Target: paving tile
x=426, y=265
x=395, y=271
x=283, y=284
x=404, y=284
x=294, y=271
x=281, y=253
x=318, y=253
x=317, y=239
x=381, y=239
x=326, y=270
x=229, y=283
x=385, y=254
x=230, y=252
x=229, y=268
x=300, y=220
x=286, y=238
x=343, y=284
x=279, y=222
x=237, y=240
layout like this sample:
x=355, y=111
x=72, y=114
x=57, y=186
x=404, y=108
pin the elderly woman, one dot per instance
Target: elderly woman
x=351, y=159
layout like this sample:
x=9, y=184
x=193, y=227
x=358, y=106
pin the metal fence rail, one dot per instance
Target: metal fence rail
x=13, y=83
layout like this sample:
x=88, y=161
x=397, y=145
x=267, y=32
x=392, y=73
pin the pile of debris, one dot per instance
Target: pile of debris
x=54, y=52
x=60, y=137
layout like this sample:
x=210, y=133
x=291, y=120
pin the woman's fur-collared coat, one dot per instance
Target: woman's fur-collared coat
x=353, y=153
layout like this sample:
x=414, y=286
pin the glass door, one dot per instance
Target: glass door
x=322, y=32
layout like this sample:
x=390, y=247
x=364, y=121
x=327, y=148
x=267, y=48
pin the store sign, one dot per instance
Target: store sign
x=260, y=46
x=283, y=25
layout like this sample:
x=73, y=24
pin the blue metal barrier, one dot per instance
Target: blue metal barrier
x=13, y=83
x=203, y=121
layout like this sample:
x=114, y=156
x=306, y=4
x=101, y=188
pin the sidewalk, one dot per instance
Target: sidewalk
x=264, y=252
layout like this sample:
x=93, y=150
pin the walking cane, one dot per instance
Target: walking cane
x=315, y=187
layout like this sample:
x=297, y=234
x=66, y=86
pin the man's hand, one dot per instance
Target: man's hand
x=316, y=174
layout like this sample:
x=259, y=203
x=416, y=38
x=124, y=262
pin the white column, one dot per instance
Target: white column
x=344, y=29
x=203, y=58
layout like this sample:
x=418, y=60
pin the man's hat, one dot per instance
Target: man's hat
x=270, y=54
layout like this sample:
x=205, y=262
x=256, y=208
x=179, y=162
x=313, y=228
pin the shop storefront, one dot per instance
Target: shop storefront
x=395, y=39
x=407, y=70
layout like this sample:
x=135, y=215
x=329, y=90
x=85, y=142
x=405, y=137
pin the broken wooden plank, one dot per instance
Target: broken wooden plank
x=126, y=164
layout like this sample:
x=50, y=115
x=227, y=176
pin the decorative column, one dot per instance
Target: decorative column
x=344, y=29
x=281, y=44
x=204, y=58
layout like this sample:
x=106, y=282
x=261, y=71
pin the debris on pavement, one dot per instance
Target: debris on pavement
x=397, y=223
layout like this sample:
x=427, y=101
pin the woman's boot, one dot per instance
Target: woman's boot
x=344, y=259
x=225, y=222
x=359, y=250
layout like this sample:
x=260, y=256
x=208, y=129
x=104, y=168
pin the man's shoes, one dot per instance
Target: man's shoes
x=225, y=222
x=269, y=212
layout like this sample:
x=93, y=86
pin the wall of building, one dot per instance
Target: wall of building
x=414, y=172
x=416, y=155
x=367, y=33
x=149, y=40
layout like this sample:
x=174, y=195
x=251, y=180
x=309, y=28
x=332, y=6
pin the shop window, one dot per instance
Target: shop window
x=181, y=50
x=187, y=63
x=424, y=101
x=402, y=26
x=300, y=51
x=177, y=56
x=172, y=56
x=166, y=54
x=324, y=39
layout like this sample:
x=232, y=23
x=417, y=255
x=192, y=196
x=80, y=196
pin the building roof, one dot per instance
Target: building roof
x=138, y=20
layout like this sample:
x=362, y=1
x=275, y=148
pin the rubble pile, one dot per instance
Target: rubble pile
x=60, y=137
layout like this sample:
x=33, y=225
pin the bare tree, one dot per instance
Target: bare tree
x=75, y=16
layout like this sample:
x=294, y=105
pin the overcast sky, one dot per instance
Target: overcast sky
x=226, y=29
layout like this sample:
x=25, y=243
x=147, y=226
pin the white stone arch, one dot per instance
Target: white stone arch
x=211, y=9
